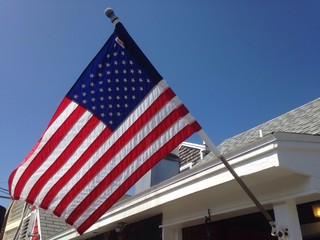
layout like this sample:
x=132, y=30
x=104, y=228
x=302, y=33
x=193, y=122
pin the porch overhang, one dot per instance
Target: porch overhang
x=276, y=167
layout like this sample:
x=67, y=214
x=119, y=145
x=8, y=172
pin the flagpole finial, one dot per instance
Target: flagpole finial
x=110, y=14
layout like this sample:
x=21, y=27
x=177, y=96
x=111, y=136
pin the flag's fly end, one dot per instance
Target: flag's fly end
x=110, y=14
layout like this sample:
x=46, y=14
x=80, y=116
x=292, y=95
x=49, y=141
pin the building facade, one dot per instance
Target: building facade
x=278, y=160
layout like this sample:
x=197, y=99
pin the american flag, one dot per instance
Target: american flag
x=118, y=120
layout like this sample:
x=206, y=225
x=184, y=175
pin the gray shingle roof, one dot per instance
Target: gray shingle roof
x=303, y=120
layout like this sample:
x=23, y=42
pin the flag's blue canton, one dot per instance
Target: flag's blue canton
x=112, y=85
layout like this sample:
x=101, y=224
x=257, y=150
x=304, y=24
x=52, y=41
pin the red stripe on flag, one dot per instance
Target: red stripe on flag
x=75, y=168
x=65, y=102
x=62, y=106
x=133, y=178
x=116, y=171
x=134, y=128
x=64, y=156
x=47, y=149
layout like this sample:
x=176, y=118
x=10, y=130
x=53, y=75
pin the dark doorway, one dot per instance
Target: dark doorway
x=248, y=227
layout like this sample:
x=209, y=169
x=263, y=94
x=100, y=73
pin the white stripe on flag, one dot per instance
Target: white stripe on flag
x=136, y=139
x=56, y=153
x=153, y=95
x=47, y=135
x=71, y=161
x=162, y=140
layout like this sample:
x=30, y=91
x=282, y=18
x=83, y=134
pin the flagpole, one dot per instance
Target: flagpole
x=24, y=214
x=218, y=154
x=114, y=19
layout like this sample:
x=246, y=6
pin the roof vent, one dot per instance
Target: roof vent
x=260, y=133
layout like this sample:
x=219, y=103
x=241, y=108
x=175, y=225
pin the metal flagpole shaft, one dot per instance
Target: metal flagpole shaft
x=216, y=152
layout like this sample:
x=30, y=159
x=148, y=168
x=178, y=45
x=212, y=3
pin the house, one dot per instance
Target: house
x=31, y=222
x=278, y=160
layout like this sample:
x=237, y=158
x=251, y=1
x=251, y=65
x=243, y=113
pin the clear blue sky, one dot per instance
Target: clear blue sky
x=234, y=64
